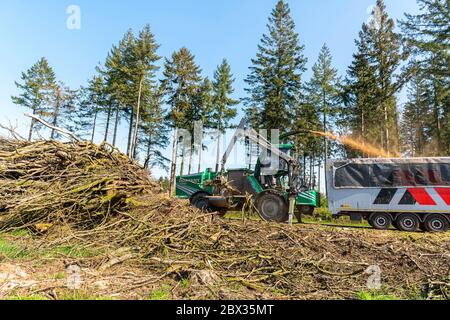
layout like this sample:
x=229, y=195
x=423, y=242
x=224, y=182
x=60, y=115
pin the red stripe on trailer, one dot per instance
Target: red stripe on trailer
x=444, y=193
x=422, y=197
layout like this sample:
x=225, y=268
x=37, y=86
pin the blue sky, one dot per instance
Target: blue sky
x=212, y=30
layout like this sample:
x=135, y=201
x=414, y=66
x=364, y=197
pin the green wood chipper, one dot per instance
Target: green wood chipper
x=275, y=187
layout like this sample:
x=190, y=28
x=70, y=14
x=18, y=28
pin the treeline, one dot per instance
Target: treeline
x=155, y=97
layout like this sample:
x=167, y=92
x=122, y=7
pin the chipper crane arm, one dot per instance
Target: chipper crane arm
x=252, y=135
x=293, y=165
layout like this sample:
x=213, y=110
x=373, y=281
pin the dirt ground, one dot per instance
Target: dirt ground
x=331, y=263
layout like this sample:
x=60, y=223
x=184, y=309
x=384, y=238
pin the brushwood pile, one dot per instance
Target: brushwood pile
x=93, y=195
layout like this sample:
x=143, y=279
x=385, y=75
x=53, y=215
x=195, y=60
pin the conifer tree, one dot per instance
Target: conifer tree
x=322, y=93
x=428, y=32
x=36, y=89
x=154, y=133
x=207, y=106
x=63, y=100
x=414, y=129
x=181, y=84
x=275, y=78
x=359, y=115
x=386, y=56
x=92, y=102
x=374, y=81
x=223, y=111
x=427, y=36
x=142, y=70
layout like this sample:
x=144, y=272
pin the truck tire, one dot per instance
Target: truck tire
x=380, y=220
x=408, y=222
x=436, y=223
x=272, y=207
x=200, y=202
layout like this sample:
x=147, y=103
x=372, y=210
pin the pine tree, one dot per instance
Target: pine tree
x=92, y=102
x=37, y=86
x=322, y=94
x=114, y=86
x=308, y=147
x=122, y=97
x=181, y=84
x=427, y=35
x=428, y=32
x=275, y=78
x=415, y=134
x=142, y=70
x=63, y=100
x=371, y=105
x=359, y=114
x=154, y=133
x=385, y=55
x=204, y=118
x=223, y=111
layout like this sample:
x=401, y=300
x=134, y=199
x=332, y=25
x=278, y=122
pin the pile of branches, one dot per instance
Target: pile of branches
x=109, y=202
x=275, y=260
x=80, y=184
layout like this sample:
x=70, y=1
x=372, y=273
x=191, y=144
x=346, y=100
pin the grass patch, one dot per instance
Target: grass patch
x=20, y=233
x=59, y=275
x=11, y=251
x=162, y=293
x=80, y=295
x=365, y=295
x=185, y=283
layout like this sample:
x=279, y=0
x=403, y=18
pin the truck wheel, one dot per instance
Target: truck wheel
x=272, y=207
x=200, y=202
x=407, y=222
x=380, y=220
x=436, y=223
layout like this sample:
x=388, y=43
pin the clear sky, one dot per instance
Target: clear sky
x=211, y=29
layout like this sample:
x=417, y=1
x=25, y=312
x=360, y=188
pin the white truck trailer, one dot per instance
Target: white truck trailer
x=408, y=193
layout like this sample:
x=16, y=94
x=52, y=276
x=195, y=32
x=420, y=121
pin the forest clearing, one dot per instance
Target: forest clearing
x=112, y=181
x=88, y=208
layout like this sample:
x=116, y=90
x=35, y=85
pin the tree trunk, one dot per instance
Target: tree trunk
x=386, y=129
x=250, y=156
x=437, y=121
x=94, y=125
x=130, y=132
x=56, y=113
x=116, y=125
x=319, y=174
x=200, y=154
x=304, y=168
x=108, y=119
x=30, y=134
x=191, y=151
x=363, y=129
x=219, y=138
x=325, y=129
x=138, y=115
x=149, y=150
x=173, y=168
x=183, y=153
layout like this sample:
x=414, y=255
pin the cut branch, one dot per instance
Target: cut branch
x=62, y=131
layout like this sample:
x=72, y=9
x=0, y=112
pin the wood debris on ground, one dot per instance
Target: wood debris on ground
x=93, y=196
